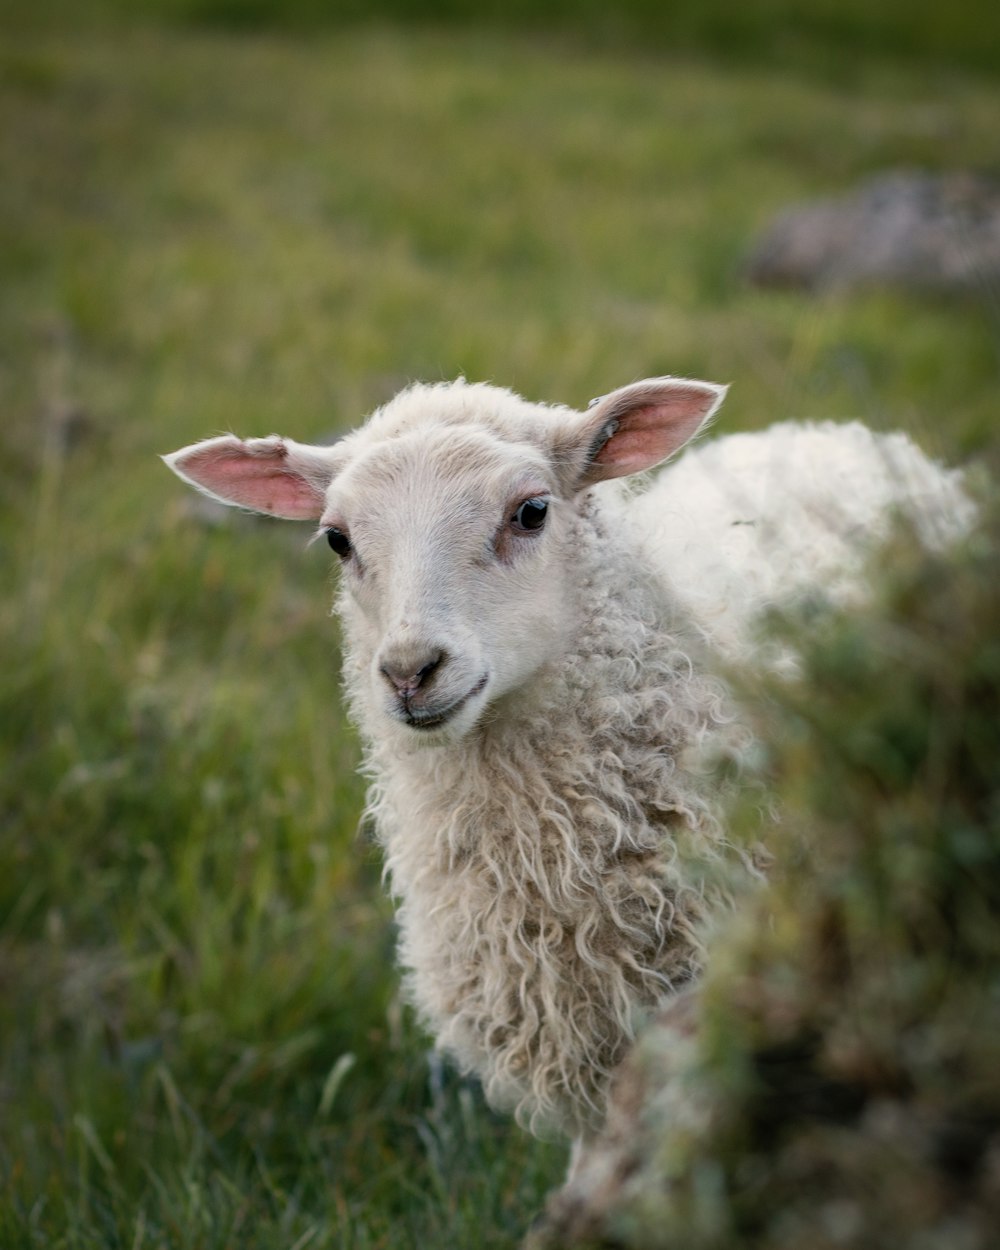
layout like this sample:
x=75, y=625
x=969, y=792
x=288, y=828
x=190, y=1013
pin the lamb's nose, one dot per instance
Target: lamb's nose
x=408, y=671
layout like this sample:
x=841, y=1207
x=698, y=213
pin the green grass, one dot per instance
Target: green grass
x=822, y=36
x=202, y=231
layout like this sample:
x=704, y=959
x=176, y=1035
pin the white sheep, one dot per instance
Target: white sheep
x=519, y=641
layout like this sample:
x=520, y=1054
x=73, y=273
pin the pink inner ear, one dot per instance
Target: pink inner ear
x=643, y=441
x=256, y=474
x=653, y=421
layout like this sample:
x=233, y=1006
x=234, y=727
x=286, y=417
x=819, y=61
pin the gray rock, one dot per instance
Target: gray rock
x=911, y=230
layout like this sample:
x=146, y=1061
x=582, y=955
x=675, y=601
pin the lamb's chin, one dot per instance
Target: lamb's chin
x=417, y=735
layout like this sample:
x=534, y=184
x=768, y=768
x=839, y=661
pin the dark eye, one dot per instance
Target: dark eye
x=339, y=541
x=531, y=514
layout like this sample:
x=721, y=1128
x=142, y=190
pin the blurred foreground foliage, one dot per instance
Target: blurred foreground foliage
x=841, y=1084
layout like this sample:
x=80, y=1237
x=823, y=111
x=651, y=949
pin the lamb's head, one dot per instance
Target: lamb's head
x=452, y=511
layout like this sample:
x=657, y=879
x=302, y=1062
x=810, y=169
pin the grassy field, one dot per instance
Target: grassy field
x=201, y=1039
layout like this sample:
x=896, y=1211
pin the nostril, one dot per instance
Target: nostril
x=408, y=673
x=432, y=665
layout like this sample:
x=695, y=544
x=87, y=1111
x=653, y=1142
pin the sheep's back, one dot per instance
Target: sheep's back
x=752, y=521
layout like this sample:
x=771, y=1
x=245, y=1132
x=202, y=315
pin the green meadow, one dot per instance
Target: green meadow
x=206, y=226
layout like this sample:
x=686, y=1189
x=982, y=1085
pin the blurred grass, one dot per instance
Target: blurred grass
x=202, y=230
x=823, y=36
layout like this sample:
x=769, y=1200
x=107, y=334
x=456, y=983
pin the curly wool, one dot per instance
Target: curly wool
x=542, y=866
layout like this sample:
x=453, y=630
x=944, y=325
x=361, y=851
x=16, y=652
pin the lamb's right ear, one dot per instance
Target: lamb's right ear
x=273, y=475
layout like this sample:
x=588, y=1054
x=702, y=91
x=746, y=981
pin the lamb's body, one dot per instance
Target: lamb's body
x=520, y=656
x=751, y=521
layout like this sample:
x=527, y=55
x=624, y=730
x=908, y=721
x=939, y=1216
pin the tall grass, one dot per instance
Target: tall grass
x=201, y=1039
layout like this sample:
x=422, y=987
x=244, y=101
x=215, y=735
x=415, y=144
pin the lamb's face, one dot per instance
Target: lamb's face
x=452, y=545
x=451, y=510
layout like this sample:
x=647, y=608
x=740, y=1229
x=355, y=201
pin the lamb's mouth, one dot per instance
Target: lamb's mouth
x=434, y=719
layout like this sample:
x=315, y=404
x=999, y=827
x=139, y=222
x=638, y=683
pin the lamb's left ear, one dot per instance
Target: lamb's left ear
x=273, y=475
x=637, y=426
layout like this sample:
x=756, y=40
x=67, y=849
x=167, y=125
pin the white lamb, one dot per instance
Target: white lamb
x=520, y=638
